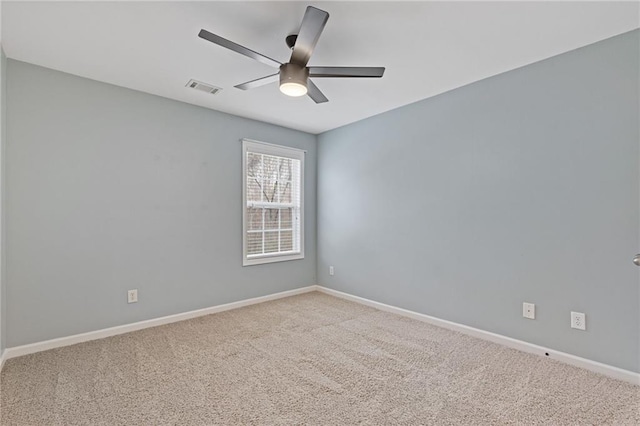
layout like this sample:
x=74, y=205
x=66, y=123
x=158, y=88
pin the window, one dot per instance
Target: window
x=273, y=216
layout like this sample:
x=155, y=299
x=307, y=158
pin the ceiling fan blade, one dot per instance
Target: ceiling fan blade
x=312, y=25
x=237, y=48
x=315, y=93
x=258, y=82
x=353, y=72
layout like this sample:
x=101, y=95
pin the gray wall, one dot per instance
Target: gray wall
x=521, y=187
x=3, y=139
x=111, y=189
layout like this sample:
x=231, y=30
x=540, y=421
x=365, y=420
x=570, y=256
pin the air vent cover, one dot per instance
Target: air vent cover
x=203, y=87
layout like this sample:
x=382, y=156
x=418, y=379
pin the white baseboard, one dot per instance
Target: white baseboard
x=597, y=367
x=127, y=328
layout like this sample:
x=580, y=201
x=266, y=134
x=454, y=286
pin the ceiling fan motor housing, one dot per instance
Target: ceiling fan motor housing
x=292, y=73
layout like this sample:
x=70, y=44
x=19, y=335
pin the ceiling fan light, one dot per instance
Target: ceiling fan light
x=293, y=79
x=293, y=89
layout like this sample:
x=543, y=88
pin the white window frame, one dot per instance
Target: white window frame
x=249, y=145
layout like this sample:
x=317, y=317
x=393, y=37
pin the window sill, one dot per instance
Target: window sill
x=271, y=259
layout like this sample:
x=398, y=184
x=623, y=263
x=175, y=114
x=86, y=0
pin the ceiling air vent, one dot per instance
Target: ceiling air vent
x=203, y=87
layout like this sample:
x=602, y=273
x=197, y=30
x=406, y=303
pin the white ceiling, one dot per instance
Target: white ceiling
x=427, y=47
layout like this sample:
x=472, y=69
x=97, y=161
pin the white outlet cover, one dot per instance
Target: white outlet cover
x=578, y=321
x=330, y=270
x=132, y=296
x=529, y=310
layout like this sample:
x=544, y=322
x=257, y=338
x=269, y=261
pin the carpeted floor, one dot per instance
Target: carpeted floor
x=309, y=359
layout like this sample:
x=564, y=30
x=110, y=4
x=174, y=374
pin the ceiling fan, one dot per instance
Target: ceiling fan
x=294, y=75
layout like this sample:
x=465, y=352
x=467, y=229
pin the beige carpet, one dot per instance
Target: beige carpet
x=309, y=359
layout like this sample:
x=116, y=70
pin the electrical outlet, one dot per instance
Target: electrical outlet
x=529, y=310
x=132, y=296
x=330, y=270
x=578, y=321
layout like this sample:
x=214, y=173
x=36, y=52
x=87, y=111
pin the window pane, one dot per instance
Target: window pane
x=254, y=243
x=271, y=242
x=254, y=218
x=285, y=169
x=285, y=218
x=285, y=192
x=271, y=164
x=270, y=188
x=254, y=189
x=254, y=165
x=286, y=241
x=271, y=218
